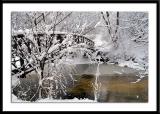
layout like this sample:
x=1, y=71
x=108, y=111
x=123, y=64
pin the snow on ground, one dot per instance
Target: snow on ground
x=15, y=99
x=15, y=81
x=117, y=72
x=138, y=80
x=131, y=64
x=65, y=100
x=75, y=100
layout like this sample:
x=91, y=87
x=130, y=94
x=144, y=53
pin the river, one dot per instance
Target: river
x=115, y=84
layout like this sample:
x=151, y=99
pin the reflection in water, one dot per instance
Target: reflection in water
x=97, y=84
x=109, y=83
x=116, y=88
x=102, y=83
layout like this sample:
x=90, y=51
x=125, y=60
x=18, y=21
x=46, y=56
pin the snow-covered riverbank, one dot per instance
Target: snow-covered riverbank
x=48, y=100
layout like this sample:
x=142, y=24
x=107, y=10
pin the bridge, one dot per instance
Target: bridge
x=60, y=37
x=76, y=37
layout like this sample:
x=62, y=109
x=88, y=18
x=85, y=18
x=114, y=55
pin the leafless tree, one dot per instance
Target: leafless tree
x=34, y=48
x=112, y=29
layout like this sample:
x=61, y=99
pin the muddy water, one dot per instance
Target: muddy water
x=116, y=88
x=116, y=84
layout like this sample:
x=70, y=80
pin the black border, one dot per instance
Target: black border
x=88, y=1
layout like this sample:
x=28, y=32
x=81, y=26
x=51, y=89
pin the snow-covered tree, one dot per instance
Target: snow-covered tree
x=34, y=47
x=42, y=49
x=125, y=36
x=43, y=41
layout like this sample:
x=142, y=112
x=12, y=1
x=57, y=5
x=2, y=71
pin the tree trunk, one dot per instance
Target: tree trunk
x=42, y=62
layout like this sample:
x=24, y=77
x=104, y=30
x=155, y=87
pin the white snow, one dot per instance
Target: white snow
x=20, y=31
x=15, y=81
x=47, y=100
x=138, y=80
x=98, y=24
x=117, y=72
x=65, y=100
x=141, y=76
x=98, y=40
x=53, y=47
x=16, y=100
x=131, y=64
x=17, y=62
x=42, y=56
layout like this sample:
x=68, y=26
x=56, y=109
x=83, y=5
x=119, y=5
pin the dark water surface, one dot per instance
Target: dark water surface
x=115, y=88
x=117, y=85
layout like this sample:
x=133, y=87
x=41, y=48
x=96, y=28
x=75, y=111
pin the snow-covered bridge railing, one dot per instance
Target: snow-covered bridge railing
x=82, y=39
x=60, y=36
